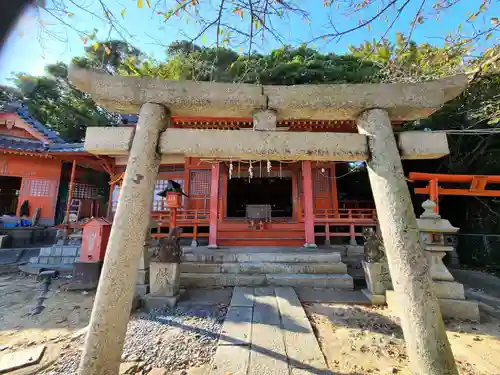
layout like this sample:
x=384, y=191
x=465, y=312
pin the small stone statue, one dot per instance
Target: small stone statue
x=374, y=246
x=169, y=250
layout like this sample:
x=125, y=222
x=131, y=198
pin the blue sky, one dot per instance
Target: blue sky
x=29, y=47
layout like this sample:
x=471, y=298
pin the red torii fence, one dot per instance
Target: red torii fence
x=477, y=186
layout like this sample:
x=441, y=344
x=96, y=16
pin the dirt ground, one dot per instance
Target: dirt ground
x=65, y=312
x=369, y=340
x=354, y=339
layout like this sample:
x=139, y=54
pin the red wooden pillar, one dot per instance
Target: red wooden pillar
x=214, y=206
x=434, y=194
x=308, y=203
x=70, y=192
x=335, y=196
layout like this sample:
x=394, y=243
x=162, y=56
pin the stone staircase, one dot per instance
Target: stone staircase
x=260, y=266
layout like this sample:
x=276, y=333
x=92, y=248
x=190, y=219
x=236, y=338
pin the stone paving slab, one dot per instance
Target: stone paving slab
x=237, y=326
x=242, y=296
x=267, y=352
x=329, y=295
x=231, y=359
x=19, y=359
x=301, y=345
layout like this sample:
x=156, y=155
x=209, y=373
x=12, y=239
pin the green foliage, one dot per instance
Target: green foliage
x=54, y=102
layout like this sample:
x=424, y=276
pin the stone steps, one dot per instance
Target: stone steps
x=210, y=280
x=309, y=256
x=264, y=267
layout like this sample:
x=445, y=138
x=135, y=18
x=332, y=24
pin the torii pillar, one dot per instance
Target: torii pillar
x=111, y=311
x=425, y=335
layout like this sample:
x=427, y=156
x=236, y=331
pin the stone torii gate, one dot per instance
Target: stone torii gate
x=372, y=106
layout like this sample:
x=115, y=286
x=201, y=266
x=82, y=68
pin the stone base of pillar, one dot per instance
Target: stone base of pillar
x=353, y=242
x=310, y=245
x=375, y=299
x=194, y=243
x=142, y=283
x=450, y=308
x=212, y=246
x=158, y=302
x=328, y=242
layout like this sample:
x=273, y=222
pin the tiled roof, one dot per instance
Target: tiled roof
x=21, y=144
x=31, y=145
x=37, y=125
x=66, y=147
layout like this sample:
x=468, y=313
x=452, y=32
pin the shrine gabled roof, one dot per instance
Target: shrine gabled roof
x=32, y=122
x=31, y=145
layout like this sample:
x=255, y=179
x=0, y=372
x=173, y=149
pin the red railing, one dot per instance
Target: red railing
x=345, y=215
x=351, y=217
x=185, y=218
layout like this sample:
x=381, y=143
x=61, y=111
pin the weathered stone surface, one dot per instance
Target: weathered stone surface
x=427, y=344
x=183, y=98
x=268, y=354
x=45, y=252
x=262, y=257
x=164, y=278
x=378, y=278
x=264, y=145
x=157, y=302
x=301, y=345
x=423, y=145
x=375, y=299
x=402, y=101
x=112, y=305
x=231, y=360
x=450, y=308
x=109, y=140
x=208, y=280
x=21, y=358
x=158, y=371
x=237, y=326
x=322, y=102
x=264, y=120
x=242, y=297
x=449, y=290
x=343, y=281
x=142, y=277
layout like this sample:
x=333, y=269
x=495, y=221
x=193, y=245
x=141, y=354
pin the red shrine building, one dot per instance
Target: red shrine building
x=244, y=202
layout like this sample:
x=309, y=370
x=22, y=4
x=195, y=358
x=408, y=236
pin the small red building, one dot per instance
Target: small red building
x=32, y=169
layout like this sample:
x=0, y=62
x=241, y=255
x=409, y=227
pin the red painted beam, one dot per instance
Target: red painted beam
x=418, y=176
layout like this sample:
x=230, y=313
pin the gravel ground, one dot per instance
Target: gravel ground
x=174, y=339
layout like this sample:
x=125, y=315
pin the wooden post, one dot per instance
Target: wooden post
x=110, y=201
x=70, y=192
x=214, y=206
x=335, y=195
x=308, y=204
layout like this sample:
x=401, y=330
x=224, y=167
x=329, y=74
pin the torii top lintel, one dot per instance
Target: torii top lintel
x=403, y=101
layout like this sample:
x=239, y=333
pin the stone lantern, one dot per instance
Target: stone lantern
x=433, y=234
